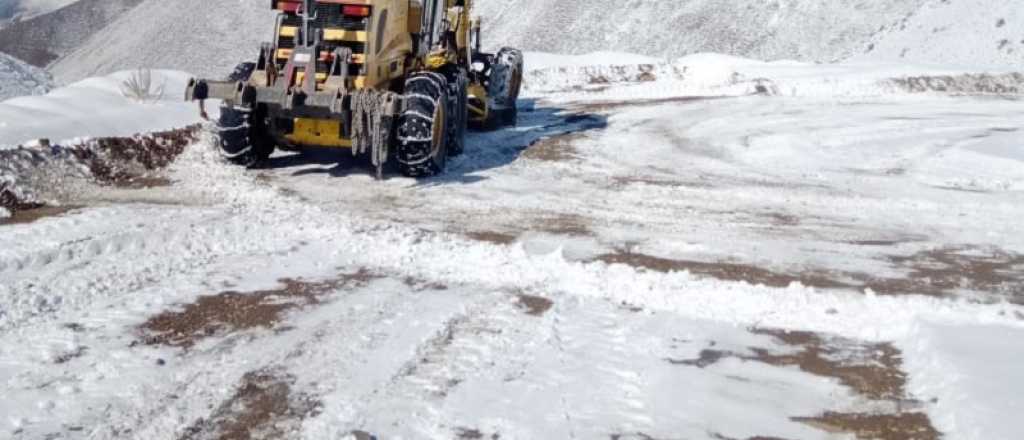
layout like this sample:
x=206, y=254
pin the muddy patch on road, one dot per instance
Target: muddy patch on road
x=979, y=274
x=563, y=224
x=263, y=406
x=534, y=305
x=900, y=426
x=871, y=370
x=25, y=216
x=664, y=182
x=234, y=311
x=554, y=149
x=946, y=272
x=474, y=434
x=722, y=271
x=499, y=238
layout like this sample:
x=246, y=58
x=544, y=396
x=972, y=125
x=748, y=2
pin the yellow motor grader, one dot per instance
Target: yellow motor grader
x=389, y=79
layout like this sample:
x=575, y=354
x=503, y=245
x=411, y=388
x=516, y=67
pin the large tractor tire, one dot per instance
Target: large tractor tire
x=503, y=88
x=424, y=125
x=241, y=132
x=458, y=95
x=242, y=135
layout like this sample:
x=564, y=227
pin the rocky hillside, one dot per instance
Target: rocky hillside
x=205, y=37
x=41, y=39
x=171, y=34
x=818, y=30
x=19, y=79
x=973, y=33
x=14, y=10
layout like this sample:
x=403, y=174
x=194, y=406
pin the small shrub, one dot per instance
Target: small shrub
x=139, y=87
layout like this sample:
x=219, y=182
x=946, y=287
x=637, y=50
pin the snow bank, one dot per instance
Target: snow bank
x=545, y=60
x=708, y=74
x=20, y=79
x=974, y=374
x=96, y=107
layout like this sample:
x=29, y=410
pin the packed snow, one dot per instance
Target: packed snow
x=659, y=247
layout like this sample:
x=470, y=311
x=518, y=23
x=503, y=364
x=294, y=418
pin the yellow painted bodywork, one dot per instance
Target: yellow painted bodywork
x=329, y=34
x=344, y=35
x=318, y=132
x=478, y=92
x=359, y=81
x=284, y=54
x=389, y=57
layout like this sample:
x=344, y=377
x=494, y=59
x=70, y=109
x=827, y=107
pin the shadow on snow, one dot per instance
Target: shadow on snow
x=484, y=150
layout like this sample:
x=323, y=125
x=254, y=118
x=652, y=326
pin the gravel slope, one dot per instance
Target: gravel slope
x=20, y=79
x=204, y=37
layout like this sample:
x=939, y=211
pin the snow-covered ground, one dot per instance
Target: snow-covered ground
x=97, y=107
x=708, y=248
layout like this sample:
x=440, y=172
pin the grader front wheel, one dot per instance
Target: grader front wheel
x=503, y=88
x=242, y=135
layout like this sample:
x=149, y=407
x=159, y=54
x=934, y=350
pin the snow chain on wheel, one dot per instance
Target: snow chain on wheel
x=242, y=135
x=459, y=97
x=423, y=126
x=503, y=87
x=371, y=125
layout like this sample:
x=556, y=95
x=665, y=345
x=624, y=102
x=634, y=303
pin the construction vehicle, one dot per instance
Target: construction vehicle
x=389, y=79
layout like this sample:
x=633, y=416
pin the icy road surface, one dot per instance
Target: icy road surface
x=705, y=257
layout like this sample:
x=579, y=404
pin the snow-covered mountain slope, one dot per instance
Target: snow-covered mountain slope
x=44, y=38
x=205, y=37
x=96, y=107
x=960, y=32
x=20, y=79
x=820, y=30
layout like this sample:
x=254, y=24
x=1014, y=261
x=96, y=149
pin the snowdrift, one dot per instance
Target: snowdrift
x=589, y=77
x=96, y=107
